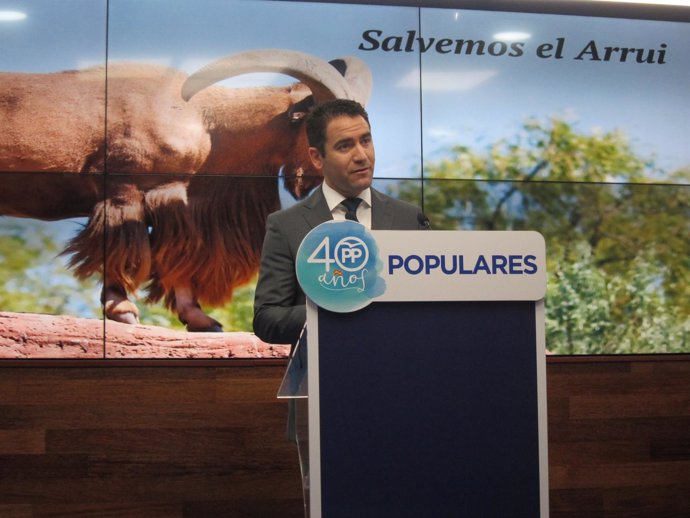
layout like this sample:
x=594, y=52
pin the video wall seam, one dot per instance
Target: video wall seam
x=154, y=198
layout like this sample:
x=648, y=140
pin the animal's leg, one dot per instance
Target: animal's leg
x=117, y=307
x=190, y=312
x=115, y=244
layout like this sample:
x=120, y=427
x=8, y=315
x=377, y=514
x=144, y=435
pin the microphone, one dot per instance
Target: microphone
x=423, y=221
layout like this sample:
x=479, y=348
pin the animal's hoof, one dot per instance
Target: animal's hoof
x=196, y=321
x=125, y=318
x=213, y=328
x=120, y=309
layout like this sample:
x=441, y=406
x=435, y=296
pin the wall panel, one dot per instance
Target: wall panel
x=210, y=440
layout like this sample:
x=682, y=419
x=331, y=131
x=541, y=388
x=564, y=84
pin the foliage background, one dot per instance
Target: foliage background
x=618, y=250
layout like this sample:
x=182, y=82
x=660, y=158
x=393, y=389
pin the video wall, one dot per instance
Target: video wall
x=143, y=144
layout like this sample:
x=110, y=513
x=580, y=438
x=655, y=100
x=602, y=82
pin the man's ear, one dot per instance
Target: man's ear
x=316, y=158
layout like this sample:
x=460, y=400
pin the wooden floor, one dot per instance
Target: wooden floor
x=208, y=440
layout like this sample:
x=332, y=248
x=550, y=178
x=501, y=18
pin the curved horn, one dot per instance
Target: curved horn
x=323, y=80
x=358, y=76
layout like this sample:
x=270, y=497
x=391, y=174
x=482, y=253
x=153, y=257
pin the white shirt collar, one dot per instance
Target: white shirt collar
x=333, y=197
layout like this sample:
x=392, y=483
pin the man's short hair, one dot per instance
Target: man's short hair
x=320, y=115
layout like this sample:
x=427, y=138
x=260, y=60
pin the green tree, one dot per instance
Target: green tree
x=33, y=276
x=592, y=312
x=618, y=245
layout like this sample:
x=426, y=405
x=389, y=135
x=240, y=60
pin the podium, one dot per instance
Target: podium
x=429, y=400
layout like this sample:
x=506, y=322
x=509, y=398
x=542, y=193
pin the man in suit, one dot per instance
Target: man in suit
x=341, y=147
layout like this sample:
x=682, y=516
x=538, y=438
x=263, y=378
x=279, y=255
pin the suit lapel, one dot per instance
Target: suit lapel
x=315, y=209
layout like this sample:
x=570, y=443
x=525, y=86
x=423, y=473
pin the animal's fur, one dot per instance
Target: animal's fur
x=185, y=186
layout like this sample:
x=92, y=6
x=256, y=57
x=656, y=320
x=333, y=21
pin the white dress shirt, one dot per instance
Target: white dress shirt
x=333, y=199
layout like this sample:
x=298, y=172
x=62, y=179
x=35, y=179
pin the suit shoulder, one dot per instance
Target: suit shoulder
x=405, y=205
x=288, y=212
x=399, y=204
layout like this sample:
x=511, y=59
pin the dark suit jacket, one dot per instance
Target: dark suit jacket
x=279, y=310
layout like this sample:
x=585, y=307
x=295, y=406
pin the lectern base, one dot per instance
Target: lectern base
x=426, y=409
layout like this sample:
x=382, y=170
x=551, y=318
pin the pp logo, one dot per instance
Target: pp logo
x=337, y=266
x=350, y=253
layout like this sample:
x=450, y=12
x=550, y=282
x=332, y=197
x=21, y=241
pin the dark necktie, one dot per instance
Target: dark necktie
x=351, y=205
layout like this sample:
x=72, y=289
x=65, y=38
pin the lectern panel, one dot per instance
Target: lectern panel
x=429, y=409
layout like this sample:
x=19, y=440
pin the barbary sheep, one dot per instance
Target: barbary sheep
x=160, y=215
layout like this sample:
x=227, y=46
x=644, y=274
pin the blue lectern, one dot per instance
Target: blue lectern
x=430, y=399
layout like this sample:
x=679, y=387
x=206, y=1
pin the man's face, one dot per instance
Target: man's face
x=348, y=162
